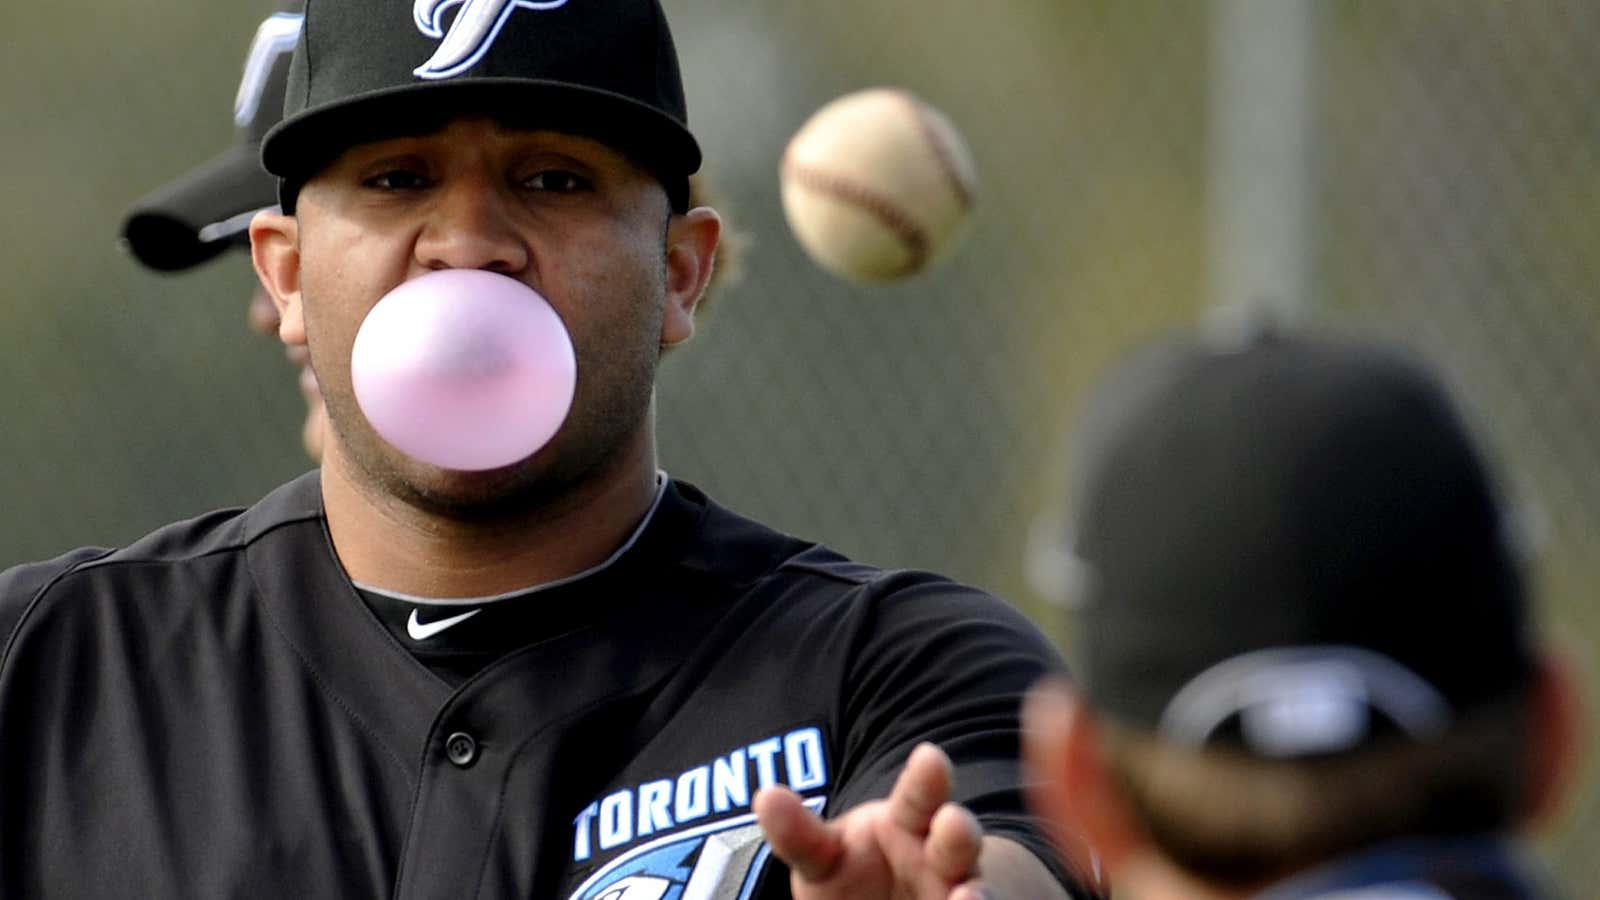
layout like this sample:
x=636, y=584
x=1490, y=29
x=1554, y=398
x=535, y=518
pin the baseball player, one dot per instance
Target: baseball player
x=572, y=677
x=206, y=212
x=1310, y=670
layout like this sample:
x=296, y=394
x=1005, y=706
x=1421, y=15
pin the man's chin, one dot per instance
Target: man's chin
x=584, y=454
x=493, y=495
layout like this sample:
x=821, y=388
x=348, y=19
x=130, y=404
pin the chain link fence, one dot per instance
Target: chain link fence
x=1452, y=173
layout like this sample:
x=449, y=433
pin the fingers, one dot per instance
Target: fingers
x=802, y=840
x=955, y=840
x=972, y=890
x=928, y=839
x=913, y=843
x=923, y=787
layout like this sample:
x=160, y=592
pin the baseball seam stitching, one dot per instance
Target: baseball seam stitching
x=964, y=189
x=880, y=206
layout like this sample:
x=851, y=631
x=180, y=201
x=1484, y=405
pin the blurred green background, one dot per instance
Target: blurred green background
x=1432, y=173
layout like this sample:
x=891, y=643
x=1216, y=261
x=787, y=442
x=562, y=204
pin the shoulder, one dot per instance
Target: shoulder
x=157, y=567
x=19, y=585
x=1469, y=867
x=1410, y=890
x=73, y=580
x=908, y=608
x=737, y=548
x=808, y=581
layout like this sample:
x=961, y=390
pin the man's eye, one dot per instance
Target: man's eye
x=557, y=180
x=397, y=180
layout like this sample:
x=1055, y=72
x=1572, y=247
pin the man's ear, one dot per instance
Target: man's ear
x=691, y=253
x=1558, y=737
x=1069, y=784
x=275, y=250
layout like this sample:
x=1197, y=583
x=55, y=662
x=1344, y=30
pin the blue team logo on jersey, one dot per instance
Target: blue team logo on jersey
x=471, y=34
x=720, y=861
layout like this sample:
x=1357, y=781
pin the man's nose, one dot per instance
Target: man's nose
x=472, y=226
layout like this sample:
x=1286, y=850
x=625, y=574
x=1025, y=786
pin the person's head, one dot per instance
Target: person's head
x=546, y=142
x=1303, y=629
x=205, y=213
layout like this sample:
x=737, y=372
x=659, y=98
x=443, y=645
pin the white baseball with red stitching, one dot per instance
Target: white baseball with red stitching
x=877, y=184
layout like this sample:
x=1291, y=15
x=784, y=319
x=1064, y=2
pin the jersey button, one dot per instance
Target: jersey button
x=461, y=749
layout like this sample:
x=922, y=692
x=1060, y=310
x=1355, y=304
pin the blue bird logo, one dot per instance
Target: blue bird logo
x=471, y=34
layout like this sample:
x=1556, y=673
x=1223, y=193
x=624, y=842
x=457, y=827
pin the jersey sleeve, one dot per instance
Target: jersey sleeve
x=21, y=585
x=950, y=665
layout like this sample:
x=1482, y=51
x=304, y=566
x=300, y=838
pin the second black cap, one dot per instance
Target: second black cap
x=1291, y=546
x=207, y=209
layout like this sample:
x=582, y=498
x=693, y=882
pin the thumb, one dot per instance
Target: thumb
x=810, y=847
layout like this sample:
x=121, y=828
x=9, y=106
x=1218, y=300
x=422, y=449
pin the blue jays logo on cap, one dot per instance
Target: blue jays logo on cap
x=470, y=36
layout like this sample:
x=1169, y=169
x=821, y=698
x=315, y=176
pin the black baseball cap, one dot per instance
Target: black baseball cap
x=208, y=209
x=373, y=69
x=1291, y=547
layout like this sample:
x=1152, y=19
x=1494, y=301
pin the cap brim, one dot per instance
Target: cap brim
x=201, y=213
x=302, y=145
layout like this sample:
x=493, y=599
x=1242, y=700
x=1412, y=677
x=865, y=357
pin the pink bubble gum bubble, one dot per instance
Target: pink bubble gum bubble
x=464, y=369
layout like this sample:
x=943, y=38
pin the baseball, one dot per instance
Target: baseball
x=876, y=185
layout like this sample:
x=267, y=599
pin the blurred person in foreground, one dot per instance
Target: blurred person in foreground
x=622, y=690
x=1310, y=670
x=206, y=211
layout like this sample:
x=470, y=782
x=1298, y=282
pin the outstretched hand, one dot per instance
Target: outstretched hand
x=914, y=845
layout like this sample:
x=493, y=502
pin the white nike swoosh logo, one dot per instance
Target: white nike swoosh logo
x=421, y=632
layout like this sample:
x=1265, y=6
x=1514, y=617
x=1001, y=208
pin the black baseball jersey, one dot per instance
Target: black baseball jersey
x=214, y=712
